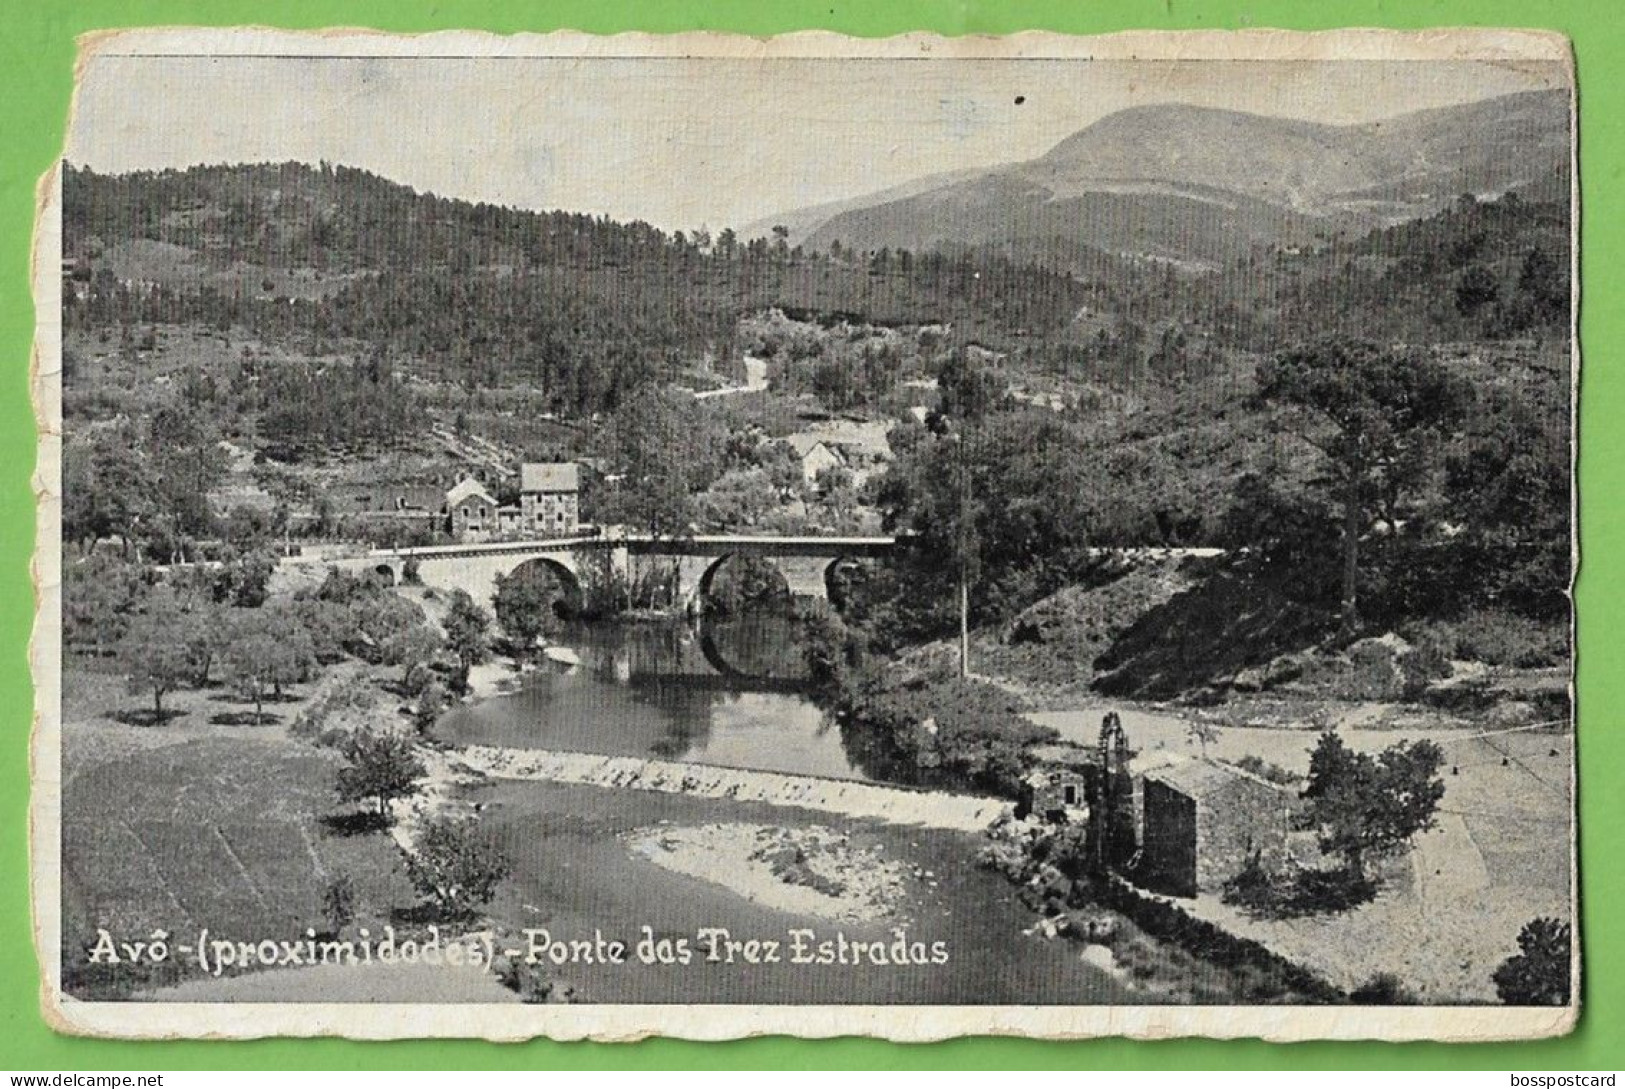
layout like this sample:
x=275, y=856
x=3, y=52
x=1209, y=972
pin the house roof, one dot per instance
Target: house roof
x=1063, y=754
x=549, y=476
x=465, y=488
x=806, y=444
x=1197, y=778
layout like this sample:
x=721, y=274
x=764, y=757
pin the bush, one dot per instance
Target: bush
x=338, y=903
x=1253, y=888
x=1539, y=974
x=338, y=712
x=431, y=703
x=1497, y=638
x=1420, y=666
x=1069, y=850
x=532, y=987
x=928, y=730
x=1275, y=773
x=1383, y=989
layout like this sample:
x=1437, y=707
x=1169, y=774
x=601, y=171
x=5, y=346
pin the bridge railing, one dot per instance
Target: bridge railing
x=640, y=542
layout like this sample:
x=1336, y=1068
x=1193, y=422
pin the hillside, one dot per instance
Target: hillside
x=1203, y=186
x=578, y=308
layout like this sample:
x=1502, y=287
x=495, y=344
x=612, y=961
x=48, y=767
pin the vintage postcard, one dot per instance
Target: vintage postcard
x=706, y=536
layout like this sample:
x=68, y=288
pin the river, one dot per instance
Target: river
x=730, y=693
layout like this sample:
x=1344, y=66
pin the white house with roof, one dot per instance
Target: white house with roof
x=815, y=455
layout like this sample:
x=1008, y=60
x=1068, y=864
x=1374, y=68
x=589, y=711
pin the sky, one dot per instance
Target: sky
x=686, y=142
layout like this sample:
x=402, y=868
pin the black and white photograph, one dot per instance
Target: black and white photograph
x=597, y=537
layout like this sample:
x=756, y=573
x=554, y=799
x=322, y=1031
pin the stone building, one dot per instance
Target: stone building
x=1204, y=820
x=549, y=498
x=1088, y=785
x=1057, y=794
x=472, y=510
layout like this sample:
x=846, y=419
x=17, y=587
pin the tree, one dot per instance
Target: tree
x=830, y=651
x=1202, y=732
x=202, y=627
x=1363, y=806
x=410, y=647
x=250, y=528
x=382, y=767
x=1476, y=289
x=666, y=448
x=1009, y=504
x=183, y=443
x=746, y=582
x=456, y=866
x=266, y=649
x=1377, y=416
x=727, y=241
x=157, y=652
x=1540, y=973
x=108, y=487
x=969, y=392
x=338, y=903
x=100, y=594
x=784, y=472
x=244, y=579
x=431, y=704
x=1509, y=481
x=467, y=626
x=1543, y=285
x=379, y=620
x=525, y=603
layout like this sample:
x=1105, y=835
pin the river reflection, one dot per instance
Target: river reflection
x=729, y=693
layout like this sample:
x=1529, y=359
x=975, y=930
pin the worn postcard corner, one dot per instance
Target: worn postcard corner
x=600, y=537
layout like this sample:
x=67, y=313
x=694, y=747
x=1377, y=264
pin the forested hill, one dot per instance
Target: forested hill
x=336, y=218
x=1478, y=270
x=582, y=308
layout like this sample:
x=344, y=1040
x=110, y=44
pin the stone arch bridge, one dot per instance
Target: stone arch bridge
x=806, y=562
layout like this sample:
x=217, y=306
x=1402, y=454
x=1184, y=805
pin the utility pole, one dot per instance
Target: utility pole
x=965, y=540
x=964, y=621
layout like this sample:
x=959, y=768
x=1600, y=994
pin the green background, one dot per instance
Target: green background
x=36, y=64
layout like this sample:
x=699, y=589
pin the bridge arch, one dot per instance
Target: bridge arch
x=804, y=576
x=835, y=589
x=476, y=572
x=704, y=589
x=572, y=594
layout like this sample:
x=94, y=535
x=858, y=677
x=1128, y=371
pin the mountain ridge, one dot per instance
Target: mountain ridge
x=1202, y=185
